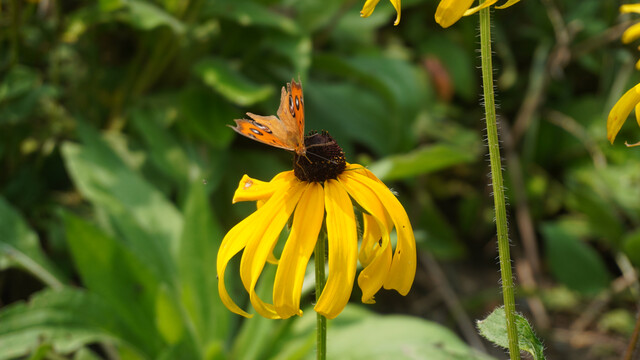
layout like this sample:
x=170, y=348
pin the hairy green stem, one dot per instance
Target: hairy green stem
x=496, y=182
x=321, y=321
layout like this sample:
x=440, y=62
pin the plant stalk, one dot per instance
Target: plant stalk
x=497, y=183
x=321, y=321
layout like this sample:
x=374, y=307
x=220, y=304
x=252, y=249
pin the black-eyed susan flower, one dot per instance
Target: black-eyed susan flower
x=370, y=5
x=322, y=191
x=450, y=11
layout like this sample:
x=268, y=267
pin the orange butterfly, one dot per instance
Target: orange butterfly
x=286, y=131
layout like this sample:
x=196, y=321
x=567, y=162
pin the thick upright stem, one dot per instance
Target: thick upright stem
x=496, y=182
x=321, y=321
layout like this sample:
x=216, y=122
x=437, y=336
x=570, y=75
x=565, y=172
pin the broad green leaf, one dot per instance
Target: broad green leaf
x=201, y=238
x=147, y=16
x=494, y=329
x=67, y=319
x=230, y=83
x=249, y=13
x=18, y=81
x=424, y=160
x=147, y=223
x=117, y=276
x=360, y=334
x=573, y=262
x=19, y=246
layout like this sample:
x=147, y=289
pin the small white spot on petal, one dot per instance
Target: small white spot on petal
x=247, y=184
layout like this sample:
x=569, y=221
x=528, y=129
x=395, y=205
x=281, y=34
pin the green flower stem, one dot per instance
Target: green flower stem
x=321, y=321
x=496, y=182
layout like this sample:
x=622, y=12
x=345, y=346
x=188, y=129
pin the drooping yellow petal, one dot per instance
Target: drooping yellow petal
x=621, y=110
x=485, y=4
x=233, y=242
x=403, y=265
x=370, y=5
x=507, y=4
x=265, y=236
x=254, y=190
x=307, y=222
x=370, y=238
x=373, y=275
x=343, y=250
x=450, y=11
x=630, y=8
x=368, y=8
x=631, y=34
x=396, y=5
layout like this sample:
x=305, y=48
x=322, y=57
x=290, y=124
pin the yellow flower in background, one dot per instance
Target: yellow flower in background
x=370, y=5
x=319, y=192
x=450, y=11
x=633, y=32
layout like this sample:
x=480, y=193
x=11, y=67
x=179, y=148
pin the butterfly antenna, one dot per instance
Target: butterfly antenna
x=317, y=155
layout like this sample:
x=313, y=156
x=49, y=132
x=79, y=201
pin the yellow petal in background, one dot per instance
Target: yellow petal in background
x=368, y=8
x=343, y=250
x=450, y=11
x=307, y=221
x=396, y=5
x=621, y=110
x=631, y=34
x=485, y=4
x=630, y=8
x=507, y=4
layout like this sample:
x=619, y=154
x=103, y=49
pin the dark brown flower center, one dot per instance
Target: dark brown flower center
x=324, y=159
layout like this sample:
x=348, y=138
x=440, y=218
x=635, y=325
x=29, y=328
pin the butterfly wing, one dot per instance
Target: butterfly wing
x=286, y=131
x=266, y=129
x=291, y=112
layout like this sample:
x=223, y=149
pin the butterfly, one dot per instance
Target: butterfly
x=285, y=131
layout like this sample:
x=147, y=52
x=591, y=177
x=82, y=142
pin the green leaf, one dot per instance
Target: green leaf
x=148, y=224
x=424, y=160
x=248, y=13
x=201, y=238
x=167, y=316
x=572, y=261
x=205, y=114
x=360, y=334
x=147, y=16
x=123, y=281
x=230, y=83
x=67, y=319
x=494, y=328
x=19, y=246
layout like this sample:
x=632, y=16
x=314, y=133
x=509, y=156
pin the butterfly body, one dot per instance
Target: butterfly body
x=286, y=130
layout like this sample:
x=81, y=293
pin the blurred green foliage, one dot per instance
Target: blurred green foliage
x=117, y=168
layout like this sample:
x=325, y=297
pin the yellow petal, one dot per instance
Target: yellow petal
x=343, y=250
x=265, y=232
x=253, y=189
x=373, y=276
x=370, y=238
x=507, y=4
x=307, y=222
x=450, y=11
x=630, y=8
x=396, y=4
x=631, y=34
x=638, y=113
x=403, y=265
x=233, y=242
x=368, y=8
x=620, y=111
x=480, y=7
